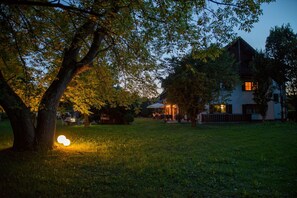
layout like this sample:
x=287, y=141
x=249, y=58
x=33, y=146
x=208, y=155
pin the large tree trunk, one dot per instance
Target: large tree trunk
x=19, y=116
x=193, y=116
x=46, y=125
x=86, y=120
x=193, y=122
x=23, y=129
x=45, y=131
x=46, y=121
x=26, y=137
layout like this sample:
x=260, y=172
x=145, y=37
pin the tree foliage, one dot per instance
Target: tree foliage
x=46, y=44
x=262, y=77
x=281, y=48
x=195, y=83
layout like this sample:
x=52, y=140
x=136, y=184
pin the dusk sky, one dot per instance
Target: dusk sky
x=274, y=14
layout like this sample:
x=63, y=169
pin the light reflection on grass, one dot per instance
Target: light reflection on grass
x=82, y=146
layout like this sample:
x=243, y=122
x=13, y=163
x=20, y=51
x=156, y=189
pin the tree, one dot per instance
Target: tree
x=45, y=44
x=281, y=47
x=195, y=83
x=292, y=83
x=262, y=78
x=95, y=89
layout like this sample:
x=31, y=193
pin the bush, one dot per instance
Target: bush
x=3, y=116
x=292, y=116
x=178, y=117
x=128, y=118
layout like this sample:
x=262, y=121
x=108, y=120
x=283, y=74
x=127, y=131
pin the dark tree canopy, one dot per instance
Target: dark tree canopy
x=45, y=44
x=281, y=48
x=262, y=77
x=194, y=83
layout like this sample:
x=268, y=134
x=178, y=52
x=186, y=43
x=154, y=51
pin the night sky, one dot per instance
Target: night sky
x=274, y=14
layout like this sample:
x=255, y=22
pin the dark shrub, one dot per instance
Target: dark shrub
x=3, y=116
x=128, y=118
x=178, y=117
x=292, y=116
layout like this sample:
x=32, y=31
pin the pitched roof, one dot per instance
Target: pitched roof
x=244, y=54
x=242, y=42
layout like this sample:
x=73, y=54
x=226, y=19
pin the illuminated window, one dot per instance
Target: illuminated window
x=223, y=108
x=249, y=86
x=219, y=108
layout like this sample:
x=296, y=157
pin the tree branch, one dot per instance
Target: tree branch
x=94, y=49
x=82, y=32
x=225, y=4
x=50, y=4
x=8, y=98
x=12, y=77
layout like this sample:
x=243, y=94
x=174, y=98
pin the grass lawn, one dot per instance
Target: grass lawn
x=152, y=159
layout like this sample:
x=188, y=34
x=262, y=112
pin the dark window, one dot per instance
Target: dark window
x=250, y=109
x=229, y=108
x=275, y=98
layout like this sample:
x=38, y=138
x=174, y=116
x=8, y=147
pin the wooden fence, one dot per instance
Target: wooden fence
x=225, y=118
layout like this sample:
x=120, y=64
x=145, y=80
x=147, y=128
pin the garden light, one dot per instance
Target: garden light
x=66, y=142
x=63, y=140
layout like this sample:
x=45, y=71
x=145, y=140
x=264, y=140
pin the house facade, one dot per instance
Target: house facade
x=240, y=105
x=241, y=99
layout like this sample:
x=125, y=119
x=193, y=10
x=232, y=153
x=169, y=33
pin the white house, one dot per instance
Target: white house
x=240, y=105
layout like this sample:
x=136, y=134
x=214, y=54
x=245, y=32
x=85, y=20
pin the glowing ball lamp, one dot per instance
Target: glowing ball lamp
x=66, y=142
x=63, y=140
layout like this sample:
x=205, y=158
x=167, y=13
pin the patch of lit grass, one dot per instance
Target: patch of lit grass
x=152, y=159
